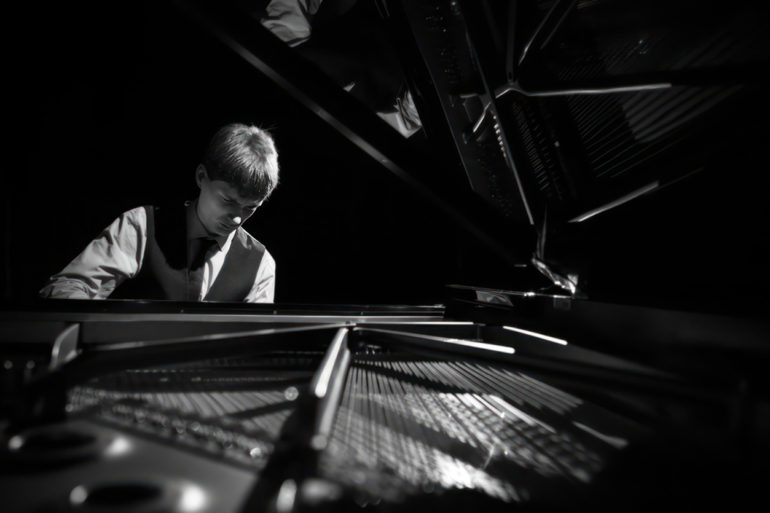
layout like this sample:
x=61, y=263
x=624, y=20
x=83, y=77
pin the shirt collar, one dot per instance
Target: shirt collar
x=196, y=230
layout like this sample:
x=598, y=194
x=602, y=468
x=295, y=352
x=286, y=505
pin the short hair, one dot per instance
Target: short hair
x=245, y=157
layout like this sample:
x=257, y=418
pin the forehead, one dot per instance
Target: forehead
x=225, y=189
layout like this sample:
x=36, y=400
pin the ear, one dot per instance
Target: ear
x=200, y=175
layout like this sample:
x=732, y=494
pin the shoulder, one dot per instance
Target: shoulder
x=248, y=241
x=134, y=219
x=138, y=214
x=252, y=245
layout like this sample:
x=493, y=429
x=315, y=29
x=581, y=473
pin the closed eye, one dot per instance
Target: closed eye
x=231, y=201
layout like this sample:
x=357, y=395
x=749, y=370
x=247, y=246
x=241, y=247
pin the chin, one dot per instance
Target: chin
x=222, y=230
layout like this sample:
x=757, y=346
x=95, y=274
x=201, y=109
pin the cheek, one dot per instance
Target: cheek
x=215, y=209
x=210, y=209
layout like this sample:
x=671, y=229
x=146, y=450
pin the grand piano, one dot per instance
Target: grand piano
x=594, y=376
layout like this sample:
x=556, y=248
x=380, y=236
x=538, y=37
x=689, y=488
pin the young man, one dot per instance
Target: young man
x=192, y=252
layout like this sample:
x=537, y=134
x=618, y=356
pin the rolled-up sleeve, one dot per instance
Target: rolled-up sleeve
x=113, y=257
x=263, y=290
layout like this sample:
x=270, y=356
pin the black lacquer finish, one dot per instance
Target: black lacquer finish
x=486, y=407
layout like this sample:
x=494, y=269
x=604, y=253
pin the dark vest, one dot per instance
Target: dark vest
x=165, y=273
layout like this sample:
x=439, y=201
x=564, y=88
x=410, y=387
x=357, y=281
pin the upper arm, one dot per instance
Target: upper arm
x=112, y=257
x=263, y=290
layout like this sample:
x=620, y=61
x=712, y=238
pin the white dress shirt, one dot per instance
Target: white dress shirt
x=117, y=254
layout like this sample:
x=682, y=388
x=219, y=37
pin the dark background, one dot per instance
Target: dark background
x=112, y=106
x=116, y=104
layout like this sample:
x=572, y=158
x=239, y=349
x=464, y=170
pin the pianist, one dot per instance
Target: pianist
x=196, y=251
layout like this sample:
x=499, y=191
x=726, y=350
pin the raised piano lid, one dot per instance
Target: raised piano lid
x=584, y=128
